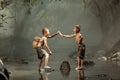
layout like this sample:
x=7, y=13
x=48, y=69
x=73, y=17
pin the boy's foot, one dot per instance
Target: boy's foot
x=47, y=67
x=39, y=70
x=79, y=68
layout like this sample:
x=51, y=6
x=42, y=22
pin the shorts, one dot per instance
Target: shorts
x=81, y=51
x=41, y=53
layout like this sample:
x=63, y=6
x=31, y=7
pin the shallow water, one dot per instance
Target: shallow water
x=99, y=71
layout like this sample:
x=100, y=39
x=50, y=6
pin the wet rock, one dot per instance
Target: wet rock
x=4, y=74
x=102, y=58
x=4, y=59
x=65, y=68
x=65, y=65
x=113, y=57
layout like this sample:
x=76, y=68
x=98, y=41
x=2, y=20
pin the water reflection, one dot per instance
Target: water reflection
x=40, y=76
x=43, y=76
x=65, y=68
x=81, y=75
x=46, y=76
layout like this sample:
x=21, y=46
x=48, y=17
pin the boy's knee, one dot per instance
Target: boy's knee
x=47, y=55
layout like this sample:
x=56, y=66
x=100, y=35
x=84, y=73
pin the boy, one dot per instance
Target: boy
x=81, y=47
x=43, y=48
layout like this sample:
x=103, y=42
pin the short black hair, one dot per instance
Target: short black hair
x=78, y=28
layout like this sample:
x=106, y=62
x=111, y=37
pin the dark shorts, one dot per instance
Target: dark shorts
x=39, y=53
x=81, y=51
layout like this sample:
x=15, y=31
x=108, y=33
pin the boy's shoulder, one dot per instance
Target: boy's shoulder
x=78, y=34
x=44, y=37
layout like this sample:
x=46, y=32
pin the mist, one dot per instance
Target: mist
x=99, y=21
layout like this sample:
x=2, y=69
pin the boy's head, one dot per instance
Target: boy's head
x=76, y=28
x=45, y=31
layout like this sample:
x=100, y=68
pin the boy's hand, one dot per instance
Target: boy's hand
x=60, y=33
x=50, y=53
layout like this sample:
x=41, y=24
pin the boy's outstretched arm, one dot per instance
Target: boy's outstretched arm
x=52, y=35
x=67, y=36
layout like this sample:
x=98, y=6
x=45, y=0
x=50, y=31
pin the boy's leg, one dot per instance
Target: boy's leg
x=39, y=64
x=78, y=62
x=82, y=63
x=78, y=58
x=46, y=58
x=40, y=57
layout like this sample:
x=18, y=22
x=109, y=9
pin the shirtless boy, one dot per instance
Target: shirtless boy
x=81, y=46
x=43, y=49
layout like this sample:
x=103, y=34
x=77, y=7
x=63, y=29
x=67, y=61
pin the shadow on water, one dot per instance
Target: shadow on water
x=43, y=76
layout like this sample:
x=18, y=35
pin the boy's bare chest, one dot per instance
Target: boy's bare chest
x=78, y=39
